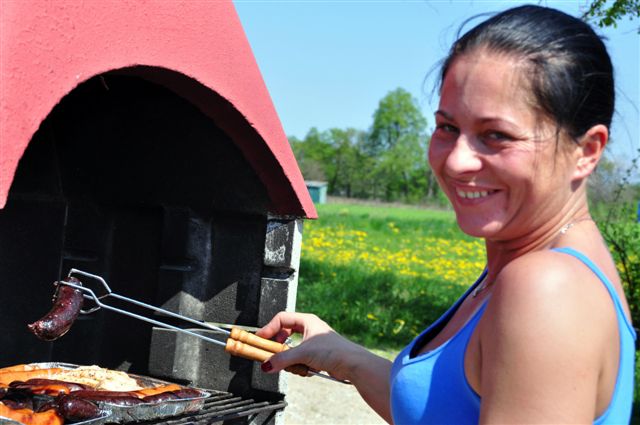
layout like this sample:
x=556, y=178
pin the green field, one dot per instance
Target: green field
x=380, y=274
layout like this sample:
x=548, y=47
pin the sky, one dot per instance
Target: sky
x=327, y=63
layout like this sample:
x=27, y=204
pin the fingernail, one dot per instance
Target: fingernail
x=266, y=366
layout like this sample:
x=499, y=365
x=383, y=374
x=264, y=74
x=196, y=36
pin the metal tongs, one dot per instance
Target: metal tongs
x=239, y=342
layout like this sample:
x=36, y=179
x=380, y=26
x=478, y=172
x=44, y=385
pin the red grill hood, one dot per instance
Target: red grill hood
x=198, y=49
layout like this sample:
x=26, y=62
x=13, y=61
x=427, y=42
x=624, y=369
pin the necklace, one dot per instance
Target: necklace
x=484, y=285
x=564, y=229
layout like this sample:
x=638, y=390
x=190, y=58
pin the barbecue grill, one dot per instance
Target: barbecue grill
x=138, y=142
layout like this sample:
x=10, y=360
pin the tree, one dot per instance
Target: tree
x=607, y=15
x=398, y=143
x=312, y=154
x=334, y=156
x=603, y=183
x=349, y=163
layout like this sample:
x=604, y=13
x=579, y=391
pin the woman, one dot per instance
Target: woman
x=544, y=335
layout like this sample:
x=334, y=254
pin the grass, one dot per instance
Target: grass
x=381, y=274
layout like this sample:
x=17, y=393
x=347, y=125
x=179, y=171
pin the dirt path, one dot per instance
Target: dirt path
x=320, y=401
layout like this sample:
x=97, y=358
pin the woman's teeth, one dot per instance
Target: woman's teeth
x=472, y=195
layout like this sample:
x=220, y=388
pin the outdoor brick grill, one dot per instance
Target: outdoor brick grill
x=138, y=142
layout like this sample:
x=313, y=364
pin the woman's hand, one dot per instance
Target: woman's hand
x=324, y=349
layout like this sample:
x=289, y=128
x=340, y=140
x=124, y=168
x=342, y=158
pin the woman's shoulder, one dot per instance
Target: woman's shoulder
x=552, y=292
x=548, y=272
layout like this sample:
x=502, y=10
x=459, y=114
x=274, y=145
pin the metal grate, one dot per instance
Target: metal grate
x=221, y=407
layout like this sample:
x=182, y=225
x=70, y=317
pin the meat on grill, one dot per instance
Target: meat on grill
x=67, y=302
x=75, y=402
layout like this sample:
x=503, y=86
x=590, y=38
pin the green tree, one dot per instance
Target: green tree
x=348, y=165
x=398, y=143
x=606, y=13
x=334, y=156
x=313, y=153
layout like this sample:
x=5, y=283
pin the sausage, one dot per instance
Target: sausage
x=67, y=303
x=43, y=406
x=47, y=386
x=113, y=397
x=187, y=393
x=160, y=397
x=172, y=395
x=76, y=409
x=18, y=403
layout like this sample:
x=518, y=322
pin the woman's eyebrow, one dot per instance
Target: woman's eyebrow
x=444, y=114
x=484, y=120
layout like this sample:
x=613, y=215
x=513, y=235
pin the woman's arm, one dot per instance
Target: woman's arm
x=542, y=341
x=324, y=349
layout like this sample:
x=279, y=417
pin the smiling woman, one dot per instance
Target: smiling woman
x=494, y=154
x=544, y=334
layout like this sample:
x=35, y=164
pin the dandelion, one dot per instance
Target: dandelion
x=399, y=324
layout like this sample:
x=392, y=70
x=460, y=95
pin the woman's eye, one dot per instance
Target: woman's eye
x=496, y=136
x=447, y=128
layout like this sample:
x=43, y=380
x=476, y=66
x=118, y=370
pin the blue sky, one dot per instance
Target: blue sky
x=327, y=63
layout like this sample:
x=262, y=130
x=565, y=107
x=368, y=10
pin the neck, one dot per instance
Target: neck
x=546, y=236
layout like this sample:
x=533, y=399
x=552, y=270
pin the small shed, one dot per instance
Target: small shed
x=317, y=190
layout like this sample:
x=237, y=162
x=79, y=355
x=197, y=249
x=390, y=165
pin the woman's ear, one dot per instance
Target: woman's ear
x=590, y=149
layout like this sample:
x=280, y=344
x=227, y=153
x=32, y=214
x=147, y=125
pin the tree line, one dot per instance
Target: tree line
x=387, y=162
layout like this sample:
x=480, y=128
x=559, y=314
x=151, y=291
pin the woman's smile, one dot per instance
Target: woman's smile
x=473, y=194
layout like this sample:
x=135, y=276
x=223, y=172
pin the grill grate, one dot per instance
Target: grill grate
x=221, y=407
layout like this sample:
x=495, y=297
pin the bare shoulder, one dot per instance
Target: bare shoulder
x=551, y=294
x=544, y=338
x=537, y=276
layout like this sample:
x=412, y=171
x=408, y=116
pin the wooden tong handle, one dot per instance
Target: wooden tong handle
x=249, y=346
x=256, y=341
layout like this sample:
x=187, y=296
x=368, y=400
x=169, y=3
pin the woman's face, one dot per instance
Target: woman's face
x=493, y=153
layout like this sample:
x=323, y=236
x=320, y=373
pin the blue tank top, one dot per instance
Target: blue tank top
x=432, y=388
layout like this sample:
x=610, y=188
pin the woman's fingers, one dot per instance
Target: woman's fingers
x=321, y=348
x=286, y=323
x=324, y=351
x=282, y=335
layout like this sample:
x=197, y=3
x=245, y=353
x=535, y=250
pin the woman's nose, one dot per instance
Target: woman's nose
x=463, y=158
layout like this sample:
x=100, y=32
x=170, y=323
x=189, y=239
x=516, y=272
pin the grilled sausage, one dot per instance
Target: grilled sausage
x=77, y=409
x=160, y=397
x=187, y=393
x=67, y=303
x=172, y=395
x=113, y=397
x=18, y=403
x=44, y=406
x=47, y=386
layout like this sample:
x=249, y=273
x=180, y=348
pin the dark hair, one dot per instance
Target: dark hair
x=571, y=72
